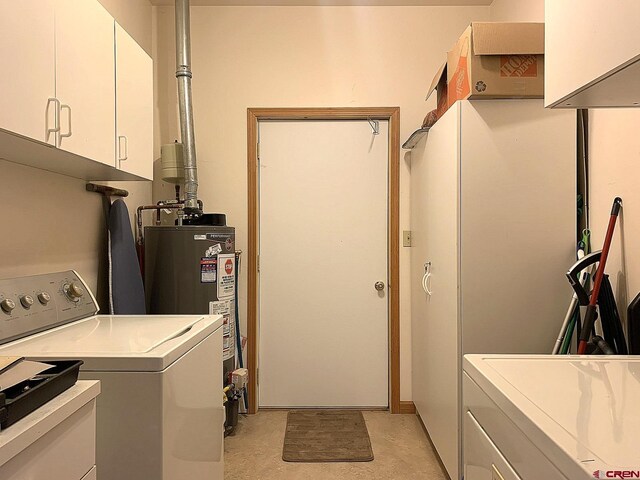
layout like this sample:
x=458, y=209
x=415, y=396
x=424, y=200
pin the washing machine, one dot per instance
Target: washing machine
x=552, y=417
x=160, y=414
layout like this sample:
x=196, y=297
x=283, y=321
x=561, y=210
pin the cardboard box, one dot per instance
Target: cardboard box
x=439, y=84
x=497, y=60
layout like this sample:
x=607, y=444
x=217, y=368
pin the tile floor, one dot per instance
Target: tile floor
x=400, y=447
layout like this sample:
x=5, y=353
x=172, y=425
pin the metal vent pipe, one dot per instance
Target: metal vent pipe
x=185, y=103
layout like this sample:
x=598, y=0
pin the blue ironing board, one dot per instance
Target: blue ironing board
x=126, y=290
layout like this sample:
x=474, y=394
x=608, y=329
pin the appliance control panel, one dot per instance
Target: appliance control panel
x=39, y=302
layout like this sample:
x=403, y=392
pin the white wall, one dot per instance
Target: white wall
x=615, y=168
x=52, y=223
x=135, y=17
x=300, y=57
x=517, y=11
x=614, y=147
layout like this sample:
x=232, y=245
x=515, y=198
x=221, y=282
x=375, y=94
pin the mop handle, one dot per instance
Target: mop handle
x=605, y=250
x=591, y=312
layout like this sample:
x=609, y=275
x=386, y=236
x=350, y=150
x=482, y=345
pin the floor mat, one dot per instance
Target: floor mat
x=326, y=436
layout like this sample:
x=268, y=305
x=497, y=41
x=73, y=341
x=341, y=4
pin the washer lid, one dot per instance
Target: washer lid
x=119, y=342
x=587, y=406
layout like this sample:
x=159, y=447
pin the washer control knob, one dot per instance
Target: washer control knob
x=26, y=301
x=44, y=298
x=7, y=305
x=73, y=291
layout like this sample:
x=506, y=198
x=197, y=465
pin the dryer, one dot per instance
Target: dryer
x=529, y=417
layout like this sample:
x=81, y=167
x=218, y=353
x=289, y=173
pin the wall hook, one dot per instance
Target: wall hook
x=375, y=126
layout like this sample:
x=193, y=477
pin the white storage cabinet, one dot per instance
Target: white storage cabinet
x=77, y=81
x=59, y=85
x=57, y=441
x=493, y=218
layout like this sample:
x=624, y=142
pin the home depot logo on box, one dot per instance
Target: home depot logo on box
x=518, y=66
x=497, y=60
x=461, y=78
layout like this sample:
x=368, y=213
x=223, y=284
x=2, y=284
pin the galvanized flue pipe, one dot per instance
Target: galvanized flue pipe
x=185, y=103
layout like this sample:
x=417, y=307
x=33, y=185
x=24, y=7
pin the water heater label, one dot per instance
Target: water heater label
x=208, y=270
x=213, y=250
x=227, y=280
x=226, y=308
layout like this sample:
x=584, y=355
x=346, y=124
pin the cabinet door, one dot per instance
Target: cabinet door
x=435, y=329
x=28, y=78
x=134, y=107
x=85, y=79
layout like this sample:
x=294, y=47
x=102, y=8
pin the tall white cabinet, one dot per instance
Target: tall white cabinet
x=493, y=218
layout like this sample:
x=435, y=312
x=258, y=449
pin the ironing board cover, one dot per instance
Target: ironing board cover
x=126, y=291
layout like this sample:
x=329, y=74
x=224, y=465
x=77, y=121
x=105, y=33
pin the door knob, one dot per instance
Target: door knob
x=379, y=286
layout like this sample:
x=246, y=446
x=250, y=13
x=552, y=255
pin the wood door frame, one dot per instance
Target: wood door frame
x=392, y=115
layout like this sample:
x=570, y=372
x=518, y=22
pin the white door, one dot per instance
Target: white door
x=27, y=49
x=323, y=247
x=134, y=108
x=85, y=79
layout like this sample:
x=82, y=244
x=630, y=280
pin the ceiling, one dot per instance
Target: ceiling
x=329, y=2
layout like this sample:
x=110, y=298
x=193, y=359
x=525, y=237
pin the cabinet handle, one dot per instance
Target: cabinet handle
x=56, y=118
x=122, y=157
x=69, y=133
x=426, y=279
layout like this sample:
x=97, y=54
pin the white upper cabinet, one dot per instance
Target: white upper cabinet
x=27, y=50
x=85, y=80
x=592, y=53
x=134, y=106
x=58, y=89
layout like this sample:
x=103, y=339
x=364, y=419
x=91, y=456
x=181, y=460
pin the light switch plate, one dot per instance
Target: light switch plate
x=406, y=238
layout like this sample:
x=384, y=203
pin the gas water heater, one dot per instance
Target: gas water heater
x=191, y=269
